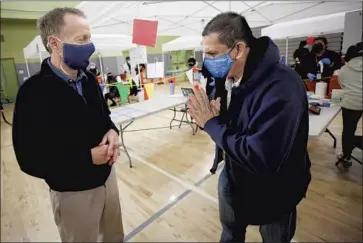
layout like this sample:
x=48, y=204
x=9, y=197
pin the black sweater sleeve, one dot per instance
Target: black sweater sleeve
x=35, y=142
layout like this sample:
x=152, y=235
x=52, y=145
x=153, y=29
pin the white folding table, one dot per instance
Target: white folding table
x=319, y=123
x=124, y=116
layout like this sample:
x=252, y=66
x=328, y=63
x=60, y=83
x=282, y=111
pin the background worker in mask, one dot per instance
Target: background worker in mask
x=267, y=166
x=93, y=69
x=191, y=62
x=66, y=137
x=320, y=52
x=300, y=54
x=127, y=67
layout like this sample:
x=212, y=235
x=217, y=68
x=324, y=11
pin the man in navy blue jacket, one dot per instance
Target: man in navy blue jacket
x=262, y=130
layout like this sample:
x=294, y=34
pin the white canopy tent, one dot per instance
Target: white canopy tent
x=105, y=44
x=184, y=43
x=180, y=17
x=34, y=50
x=322, y=25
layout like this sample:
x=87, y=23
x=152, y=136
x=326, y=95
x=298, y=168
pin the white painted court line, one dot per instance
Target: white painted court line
x=176, y=179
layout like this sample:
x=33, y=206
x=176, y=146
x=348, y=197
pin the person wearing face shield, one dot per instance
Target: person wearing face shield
x=127, y=67
x=267, y=166
x=93, y=69
x=320, y=54
x=191, y=62
x=66, y=137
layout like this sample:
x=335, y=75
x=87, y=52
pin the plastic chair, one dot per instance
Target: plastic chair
x=123, y=90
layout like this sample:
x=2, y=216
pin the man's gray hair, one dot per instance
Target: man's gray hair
x=230, y=27
x=53, y=22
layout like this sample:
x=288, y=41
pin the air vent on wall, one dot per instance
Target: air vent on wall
x=2, y=38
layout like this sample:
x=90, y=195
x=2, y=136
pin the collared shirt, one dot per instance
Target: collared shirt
x=76, y=85
x=229, y=84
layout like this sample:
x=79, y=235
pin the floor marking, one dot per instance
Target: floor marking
x=165, y=208
x=191, y=188
x=176, y=179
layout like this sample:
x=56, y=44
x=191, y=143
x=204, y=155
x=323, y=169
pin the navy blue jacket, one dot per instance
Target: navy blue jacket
x=264, y=136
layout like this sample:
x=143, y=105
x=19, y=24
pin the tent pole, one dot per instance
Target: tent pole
x=287, y=50
x=26, y=64
x=101, y=64
x=27, y=67
x=162, y=59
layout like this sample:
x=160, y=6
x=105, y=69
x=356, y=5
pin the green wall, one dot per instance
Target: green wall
x=17, y=35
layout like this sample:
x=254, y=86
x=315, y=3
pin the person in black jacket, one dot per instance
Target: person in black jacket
x=300, y=54
x=320, y=52
x=66, y=136
x=267, y=166
x=113, y=92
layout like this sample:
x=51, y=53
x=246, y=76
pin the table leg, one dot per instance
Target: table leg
x=189, y=122
x=4, y=118
x=171, y=122
x=332, y=135
x=123, y=143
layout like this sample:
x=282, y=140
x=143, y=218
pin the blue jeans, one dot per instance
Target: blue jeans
x=234, y=228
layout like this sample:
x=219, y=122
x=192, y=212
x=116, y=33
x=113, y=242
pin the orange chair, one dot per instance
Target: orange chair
x=310, y=85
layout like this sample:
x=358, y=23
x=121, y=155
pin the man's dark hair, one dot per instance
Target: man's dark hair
x=322, y=38
x=52, y=23
x=231, y=27
x=354, y=51
x=302, y=44
x=127, y=58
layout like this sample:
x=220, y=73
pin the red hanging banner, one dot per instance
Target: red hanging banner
x=144, y=32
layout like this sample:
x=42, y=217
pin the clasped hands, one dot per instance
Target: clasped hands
x=108, y=150
x=201, y=109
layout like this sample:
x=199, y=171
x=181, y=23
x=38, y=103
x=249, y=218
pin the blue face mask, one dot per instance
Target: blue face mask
x=218, y=66
x=77, y=56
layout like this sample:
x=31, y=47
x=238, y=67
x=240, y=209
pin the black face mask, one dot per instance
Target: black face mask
x=317, y=48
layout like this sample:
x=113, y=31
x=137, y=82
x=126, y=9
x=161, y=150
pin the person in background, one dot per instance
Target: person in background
x=350, y=79
x=93, y=69
x=320, y=52
x=191, y=62
x=113, y=92
x=267, y=166
x=66, y=137
x=127, y=67
x=300, y=54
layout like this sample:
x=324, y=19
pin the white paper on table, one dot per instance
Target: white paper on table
x=150, y=70
x=189, y=74
x=159, y=70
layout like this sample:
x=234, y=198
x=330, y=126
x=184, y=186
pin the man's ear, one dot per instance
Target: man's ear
x=53, y=44
x=240, y=50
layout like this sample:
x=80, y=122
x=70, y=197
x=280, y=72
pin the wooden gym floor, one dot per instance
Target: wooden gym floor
x=170, y=196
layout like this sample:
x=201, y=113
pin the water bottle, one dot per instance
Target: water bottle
x=171, y=88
